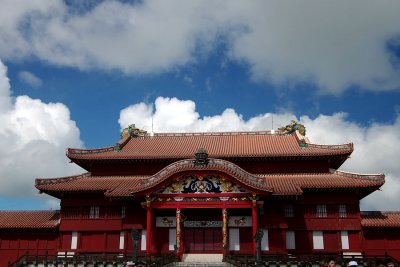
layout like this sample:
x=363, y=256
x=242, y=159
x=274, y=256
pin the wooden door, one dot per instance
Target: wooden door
x=203, y=240
x=198, y=239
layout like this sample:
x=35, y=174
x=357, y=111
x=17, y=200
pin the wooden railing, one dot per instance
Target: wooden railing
x=117, y=260
x=304, y=260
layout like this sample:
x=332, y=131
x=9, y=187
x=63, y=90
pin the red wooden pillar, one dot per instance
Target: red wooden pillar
x=148, y=229
x=254, y=225
x=225, y=230
x=178, y=232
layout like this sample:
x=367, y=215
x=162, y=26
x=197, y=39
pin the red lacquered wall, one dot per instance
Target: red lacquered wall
x=16, y=243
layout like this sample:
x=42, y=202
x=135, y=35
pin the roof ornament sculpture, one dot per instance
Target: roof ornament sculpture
x=292, y=127
x=132, y=131
x=201, y=157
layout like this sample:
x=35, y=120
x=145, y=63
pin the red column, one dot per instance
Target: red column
x=178, y=231
x=148, y=230
x=225, y=230
x=255, y=225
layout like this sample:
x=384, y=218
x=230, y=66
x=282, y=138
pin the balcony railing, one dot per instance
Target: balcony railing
x=287, y=260
x=117, y=260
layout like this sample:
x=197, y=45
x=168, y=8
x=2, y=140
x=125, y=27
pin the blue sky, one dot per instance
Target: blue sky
x=194, y=66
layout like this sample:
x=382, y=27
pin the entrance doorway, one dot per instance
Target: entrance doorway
x=202, y=230
x=203, y=240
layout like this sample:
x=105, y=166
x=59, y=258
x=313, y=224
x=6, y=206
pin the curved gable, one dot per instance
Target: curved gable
x=239, y=175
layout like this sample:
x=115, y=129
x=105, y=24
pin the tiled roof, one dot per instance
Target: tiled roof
x=113, y=185
x=279, y=184
x=218, y=145
x=88, y=183
x=294, y=184
x=29, y=219
x=380, y=219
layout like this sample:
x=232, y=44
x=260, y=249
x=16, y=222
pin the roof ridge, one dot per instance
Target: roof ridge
x=123, y=176
x=178, y=134
x=295, y=174
x=372, y=176
x=121, y=143
x=43, y=181
x=89, y=150
x=338, y=146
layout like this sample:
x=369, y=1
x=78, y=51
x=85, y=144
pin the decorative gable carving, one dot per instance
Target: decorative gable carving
x=188, y=184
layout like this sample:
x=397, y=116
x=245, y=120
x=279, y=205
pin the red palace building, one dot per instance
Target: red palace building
x=194, y=193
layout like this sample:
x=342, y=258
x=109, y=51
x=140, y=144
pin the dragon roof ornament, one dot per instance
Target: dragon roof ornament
x=292, y=127
x=132, y=131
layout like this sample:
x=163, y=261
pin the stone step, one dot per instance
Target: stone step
x=200, y=258
x=199, y=264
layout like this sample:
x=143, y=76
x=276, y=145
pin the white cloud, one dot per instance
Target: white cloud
x=331, y=44
x=33, y=138
x=375, y=151
x=376, y=146
x=5, y=99
x=30, y=78
x=174, y=115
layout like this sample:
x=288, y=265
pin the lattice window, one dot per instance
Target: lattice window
x=71, y=212
x=94, y=212
x=123, y=212
x=289, y=211
x=113, y=212
x=321, y=211
x=342, y=211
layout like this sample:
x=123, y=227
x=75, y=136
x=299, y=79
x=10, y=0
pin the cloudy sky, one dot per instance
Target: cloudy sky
x=73, y=73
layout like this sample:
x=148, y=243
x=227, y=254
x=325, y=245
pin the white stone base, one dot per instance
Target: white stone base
x=202, y=257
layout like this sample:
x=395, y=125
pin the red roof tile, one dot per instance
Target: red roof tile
x=115, y=184
x=29, y=219
x=86, y=183
x=380, y=219
x=218, y=145
x=293, y=184
x=280, y=184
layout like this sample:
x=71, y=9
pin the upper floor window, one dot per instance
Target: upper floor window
x=123, y=212
x=289, y=211
x=71, y=212
x=342, y=211
x=322, y=211
x=94, y=212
